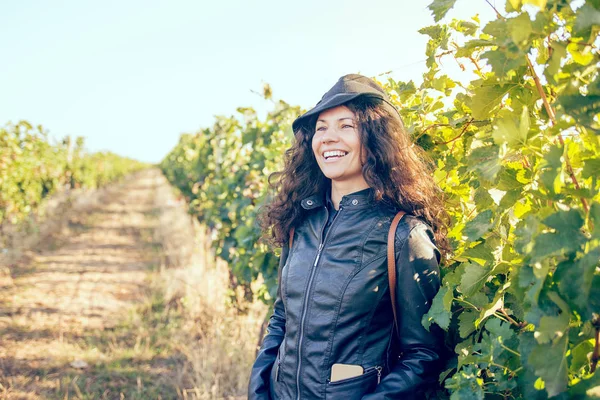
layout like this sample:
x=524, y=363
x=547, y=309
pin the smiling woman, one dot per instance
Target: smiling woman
x=350, y=170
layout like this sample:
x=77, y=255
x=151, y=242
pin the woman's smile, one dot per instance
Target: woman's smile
x=332, y=156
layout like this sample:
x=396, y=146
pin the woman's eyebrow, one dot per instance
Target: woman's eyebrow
x=339, y=119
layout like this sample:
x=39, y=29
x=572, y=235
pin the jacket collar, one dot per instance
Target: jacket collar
x=352, y=200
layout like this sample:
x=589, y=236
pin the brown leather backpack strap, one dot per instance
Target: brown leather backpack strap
x=391, y=259
x=291, y=241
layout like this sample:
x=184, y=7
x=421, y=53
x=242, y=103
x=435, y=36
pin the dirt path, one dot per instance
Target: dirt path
x=62, y=332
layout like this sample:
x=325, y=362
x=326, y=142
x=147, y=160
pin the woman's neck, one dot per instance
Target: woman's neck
x=339, y=190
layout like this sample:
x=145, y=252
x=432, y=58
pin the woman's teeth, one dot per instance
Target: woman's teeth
x=334, y=154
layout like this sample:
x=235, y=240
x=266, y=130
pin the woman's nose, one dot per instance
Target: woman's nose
x=330, y=135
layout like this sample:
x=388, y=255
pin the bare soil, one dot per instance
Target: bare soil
x=66, y=329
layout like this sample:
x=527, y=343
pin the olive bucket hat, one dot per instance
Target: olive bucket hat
x=347, y=88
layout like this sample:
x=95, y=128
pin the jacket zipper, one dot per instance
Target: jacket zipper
x=310, y=280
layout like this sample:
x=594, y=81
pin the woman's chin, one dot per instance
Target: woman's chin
x=333, y=175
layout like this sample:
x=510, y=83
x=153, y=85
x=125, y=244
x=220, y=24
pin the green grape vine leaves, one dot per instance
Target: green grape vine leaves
x=516, y=148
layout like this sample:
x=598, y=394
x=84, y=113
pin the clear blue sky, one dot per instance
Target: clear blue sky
x=131, y=76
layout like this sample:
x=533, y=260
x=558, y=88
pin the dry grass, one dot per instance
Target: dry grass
x=219, y=343
x=127, y=302
x=47, y=226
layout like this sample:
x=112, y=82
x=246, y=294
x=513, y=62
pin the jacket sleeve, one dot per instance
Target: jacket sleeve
x=258, y=387
x=418, y=281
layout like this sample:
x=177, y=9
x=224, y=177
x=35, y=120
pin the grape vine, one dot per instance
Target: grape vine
x=31, y=168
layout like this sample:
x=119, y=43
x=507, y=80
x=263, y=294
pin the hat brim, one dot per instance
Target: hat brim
x=334, y=101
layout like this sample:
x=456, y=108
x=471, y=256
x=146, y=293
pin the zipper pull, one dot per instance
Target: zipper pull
x=378, y=374
x=318, y=254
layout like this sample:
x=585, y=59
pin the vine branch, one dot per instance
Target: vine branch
x=474, y=61
x=596, y=353
x=520, y=325
x=552, y=116
x=495, y=9
x=464, y=129
x=508, y=348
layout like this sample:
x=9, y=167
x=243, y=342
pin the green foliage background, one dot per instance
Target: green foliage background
x=31, y=168
x=518, y=156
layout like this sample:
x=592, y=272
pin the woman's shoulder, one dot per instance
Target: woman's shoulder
x=416, y=236
x=407, y=222
x=415, y=227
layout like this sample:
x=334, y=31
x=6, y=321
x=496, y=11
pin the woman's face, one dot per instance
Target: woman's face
x=337, y=147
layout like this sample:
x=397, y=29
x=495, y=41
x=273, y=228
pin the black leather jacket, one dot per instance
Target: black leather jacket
x=333, y=306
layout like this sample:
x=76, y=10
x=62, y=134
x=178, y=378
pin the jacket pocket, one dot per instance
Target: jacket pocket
x=354, y=388
x=274, y=376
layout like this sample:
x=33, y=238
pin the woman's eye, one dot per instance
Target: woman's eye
x=347, y=126
x=320, y=128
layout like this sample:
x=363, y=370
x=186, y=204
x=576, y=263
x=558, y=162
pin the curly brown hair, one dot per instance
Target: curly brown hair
x=399, y=172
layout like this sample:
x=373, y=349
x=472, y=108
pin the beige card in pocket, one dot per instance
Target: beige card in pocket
x=345, y=371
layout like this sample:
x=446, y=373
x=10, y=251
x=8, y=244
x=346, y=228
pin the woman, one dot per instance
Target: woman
x=350, y=170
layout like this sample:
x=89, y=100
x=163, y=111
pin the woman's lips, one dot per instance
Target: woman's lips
x=333, y=159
